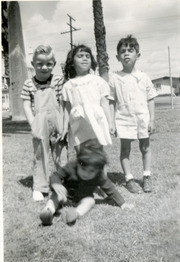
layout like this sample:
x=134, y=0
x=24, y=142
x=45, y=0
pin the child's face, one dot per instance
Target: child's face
x=87, y=172
x=127, y=56
x=82, y=62
x=43, y=65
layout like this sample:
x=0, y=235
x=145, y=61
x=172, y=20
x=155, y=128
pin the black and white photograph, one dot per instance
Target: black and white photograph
x=90, y=131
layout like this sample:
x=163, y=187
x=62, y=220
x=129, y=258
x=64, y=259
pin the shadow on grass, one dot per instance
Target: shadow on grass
x=15, y=127
x=116, y=178
x=106, y=201
x=119, y=178
x=139, y=182
x=27, y=181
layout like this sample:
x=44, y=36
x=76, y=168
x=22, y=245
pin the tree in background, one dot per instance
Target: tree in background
x=100, y=36
x=4, y=40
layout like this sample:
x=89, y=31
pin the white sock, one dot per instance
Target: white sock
x=37, y=196
x=129, y=177
x=147, y=173
x=51, y=206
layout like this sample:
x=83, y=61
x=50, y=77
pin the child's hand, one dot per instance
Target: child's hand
x=58, y=138
x=112, y=130
x=60, y=191
x=126, y=206
x=36, y=136
x=151, y=127
x=64, y=134
x=69, y=215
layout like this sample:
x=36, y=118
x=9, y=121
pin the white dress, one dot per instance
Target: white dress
x=87, y=117
x=131, y=92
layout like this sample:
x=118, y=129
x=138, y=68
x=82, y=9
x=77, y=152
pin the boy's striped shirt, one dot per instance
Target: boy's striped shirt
x=31, y=86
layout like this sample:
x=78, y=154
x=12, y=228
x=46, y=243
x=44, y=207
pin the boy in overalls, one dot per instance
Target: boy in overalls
x=43, y=108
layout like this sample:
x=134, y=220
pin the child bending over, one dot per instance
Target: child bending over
x=76, y=183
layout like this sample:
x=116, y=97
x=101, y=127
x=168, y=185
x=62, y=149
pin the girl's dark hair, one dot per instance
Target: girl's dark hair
x=69, y=69
x=129, y=40
x=89, y=156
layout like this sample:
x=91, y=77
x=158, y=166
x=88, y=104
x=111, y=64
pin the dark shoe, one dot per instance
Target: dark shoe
x=147, y=187
x=133, y=187
x=46, y=217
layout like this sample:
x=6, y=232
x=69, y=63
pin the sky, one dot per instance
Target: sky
x=156, y=25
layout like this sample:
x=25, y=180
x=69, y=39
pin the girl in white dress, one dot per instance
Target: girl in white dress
x=87, y=115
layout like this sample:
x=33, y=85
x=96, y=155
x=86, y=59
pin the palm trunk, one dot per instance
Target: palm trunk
x=100, y=33
x=5, y=51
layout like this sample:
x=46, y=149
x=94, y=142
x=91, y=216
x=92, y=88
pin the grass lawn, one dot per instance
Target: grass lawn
x=148, y=233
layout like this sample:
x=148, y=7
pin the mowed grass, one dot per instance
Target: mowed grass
x=149, y=232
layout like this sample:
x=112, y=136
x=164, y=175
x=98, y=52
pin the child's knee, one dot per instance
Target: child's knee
x=125, y=153
x=145, y=150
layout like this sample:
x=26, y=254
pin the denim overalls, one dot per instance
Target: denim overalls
x=47, y=128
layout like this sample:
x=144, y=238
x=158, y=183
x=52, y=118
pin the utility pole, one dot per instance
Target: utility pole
x=72, y=29
x=172, y=106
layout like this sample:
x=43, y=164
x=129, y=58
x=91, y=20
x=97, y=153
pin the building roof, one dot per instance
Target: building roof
x=166, y=77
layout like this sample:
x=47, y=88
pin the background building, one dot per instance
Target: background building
x=163, y=87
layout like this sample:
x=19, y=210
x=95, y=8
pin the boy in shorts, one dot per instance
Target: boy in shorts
x=132, y=108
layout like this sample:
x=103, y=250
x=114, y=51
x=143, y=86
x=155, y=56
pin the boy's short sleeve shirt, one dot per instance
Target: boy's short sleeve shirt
x=122, y=85
x=131, y=92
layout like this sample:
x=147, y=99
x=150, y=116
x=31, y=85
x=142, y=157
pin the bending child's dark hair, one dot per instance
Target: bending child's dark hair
x=129, y=40
x=69, y=69
x=89, y=156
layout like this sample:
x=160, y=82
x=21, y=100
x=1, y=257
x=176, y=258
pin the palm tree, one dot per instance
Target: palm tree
x=4, y=27
x=100, y=33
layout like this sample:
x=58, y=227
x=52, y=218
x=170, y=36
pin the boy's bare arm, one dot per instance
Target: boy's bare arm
x=106, y=108
x=151, y=106
x=67, y=108
x=28, y=111
x=112, y=112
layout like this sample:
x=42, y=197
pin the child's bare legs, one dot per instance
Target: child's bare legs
x=124, y=157
x=85, y=205
x=125, y=163
x=46, y=215
x=70, y=215
x=146, y=153
x=144, y=146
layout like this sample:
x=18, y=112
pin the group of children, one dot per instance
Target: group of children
x=81, y=110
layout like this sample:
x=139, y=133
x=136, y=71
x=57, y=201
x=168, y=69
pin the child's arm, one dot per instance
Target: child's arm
x=57, y=186
x=151, y=106
x=109, y=188
x=28, y=111
x=67, y=109
x=106, y=108
x=112, y=111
